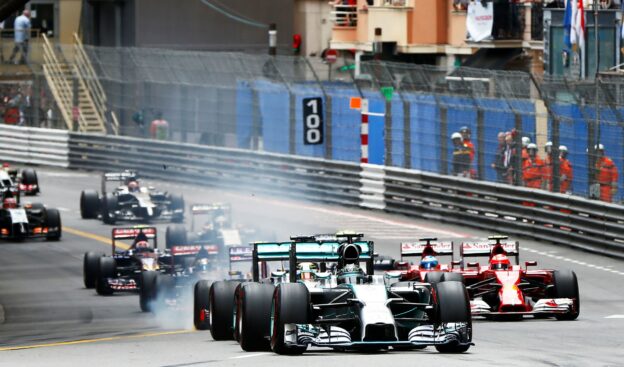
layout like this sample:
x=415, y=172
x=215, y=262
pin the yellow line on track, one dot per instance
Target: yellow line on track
x=94, y=237
x=86, y=341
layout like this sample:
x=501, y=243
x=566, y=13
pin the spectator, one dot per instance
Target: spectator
x=159, y=129
x=461, y=156
x=565, y=170
x=548, y=166
x=499, y=158
x=533, y=168
x=22, y=34
x=606, y=175
x=508, y=158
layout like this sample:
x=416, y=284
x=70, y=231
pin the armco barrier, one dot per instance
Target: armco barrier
x=589, y=225
x=34, y=146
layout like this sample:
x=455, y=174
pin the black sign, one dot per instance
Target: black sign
x=313, y=121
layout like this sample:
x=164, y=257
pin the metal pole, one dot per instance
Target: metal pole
x=272, y=39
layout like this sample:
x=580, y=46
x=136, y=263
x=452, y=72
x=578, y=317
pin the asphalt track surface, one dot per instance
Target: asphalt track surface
x=47, y=318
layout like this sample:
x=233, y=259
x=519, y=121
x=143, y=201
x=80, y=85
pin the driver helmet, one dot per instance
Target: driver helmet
x=500, y=262
x=307, y=270
x=202, y=265
x=428, y=262
x=352, y=274
x=9, y=203
x=133, y=186
x=142, y=245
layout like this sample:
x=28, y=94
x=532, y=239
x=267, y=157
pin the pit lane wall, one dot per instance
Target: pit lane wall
x=562, y=219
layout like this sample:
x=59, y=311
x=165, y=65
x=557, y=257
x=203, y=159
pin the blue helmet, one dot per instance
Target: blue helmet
x=428, y=262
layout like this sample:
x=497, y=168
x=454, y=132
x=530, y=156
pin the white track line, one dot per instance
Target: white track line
x=577, y=262
x=249, y=356
x=614, y=317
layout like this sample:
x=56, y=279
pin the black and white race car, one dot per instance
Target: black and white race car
x=130, y=201
x=25, y=180
x=22, y=221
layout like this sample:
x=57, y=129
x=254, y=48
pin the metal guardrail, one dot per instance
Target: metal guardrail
x=562, y=219
x=47, y=147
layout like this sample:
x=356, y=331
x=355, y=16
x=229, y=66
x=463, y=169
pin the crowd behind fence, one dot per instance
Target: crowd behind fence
x=257, y=102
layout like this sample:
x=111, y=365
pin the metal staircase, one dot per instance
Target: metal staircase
x=77, y=91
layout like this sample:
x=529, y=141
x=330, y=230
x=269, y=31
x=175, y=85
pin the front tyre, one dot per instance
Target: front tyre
x=221, y=309
x=107, y=270
x=291, y=305
x=147, y=292
x=566, y=286
x=53, y=223
x=90, y=269
x=453, y=306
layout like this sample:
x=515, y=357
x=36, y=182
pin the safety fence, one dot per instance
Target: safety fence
x=258, y=102
x=562, y=219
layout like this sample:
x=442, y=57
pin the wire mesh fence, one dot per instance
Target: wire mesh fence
x=511, y=124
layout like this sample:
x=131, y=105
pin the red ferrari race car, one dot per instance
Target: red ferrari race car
x=501, y=289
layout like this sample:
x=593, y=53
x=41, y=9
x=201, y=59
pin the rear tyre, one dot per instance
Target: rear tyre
x=291, y=305
x=53, y=222
x=147, y=291
x=29, y=177
x=175, y=236
x=90, y=268
x=201, y=305
x=107, y=269
x=109, y=205
x=89, y=204
x=255, y=317
x=433, y=277
x=452, y=277
x=452, y=306
x=221, y=309
x=566, y=286
x=177, y=203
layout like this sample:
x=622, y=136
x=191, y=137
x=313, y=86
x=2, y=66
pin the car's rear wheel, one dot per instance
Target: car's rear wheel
x=147, y=291
x=291, y=305
x=89, y=204
x=175, y=236
x=566, y=286
x=53, y=222
x=29, y=177
x=221, y=309
x=255, y=317
x=90, y=268
x=201, y=305
x=107, y=269
x=452, y=307
x=177, y=203
x=109, y=205
x=433, y=277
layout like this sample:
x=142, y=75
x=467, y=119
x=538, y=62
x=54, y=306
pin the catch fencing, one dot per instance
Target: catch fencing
x=256, y=102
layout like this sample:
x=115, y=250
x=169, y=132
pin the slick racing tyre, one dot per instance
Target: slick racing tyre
x=109, y=205
x=147, y=292
x=221, y=306
x=175, y=236
x=566, y=286
x=452, y=277
x=90, y=268
x=89, y=204
x=177, y=203
x=107, y=269
x=452, y=306
x=291, y=305
x=53, y=222
x=29, y=177
x=201, y=304
x=433, y=277
x=255, y=316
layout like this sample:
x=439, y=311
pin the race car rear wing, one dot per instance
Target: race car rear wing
x=133, y=233
x=425, y=247
x=214, y=208
x=494, y=245
x=117, y=177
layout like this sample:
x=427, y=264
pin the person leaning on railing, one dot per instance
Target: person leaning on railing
x=22, y=34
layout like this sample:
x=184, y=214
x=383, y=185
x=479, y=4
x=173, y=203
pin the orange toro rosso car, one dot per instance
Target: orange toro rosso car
x=501, y=289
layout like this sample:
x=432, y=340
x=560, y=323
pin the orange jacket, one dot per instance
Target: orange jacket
x=565, y=171
x=607, y=171
x=470, y=146
x=533, y=172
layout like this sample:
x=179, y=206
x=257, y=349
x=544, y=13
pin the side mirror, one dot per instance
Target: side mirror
x=472, y=265
x=530, y=263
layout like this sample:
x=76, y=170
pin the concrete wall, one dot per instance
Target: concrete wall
x=312, y=21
